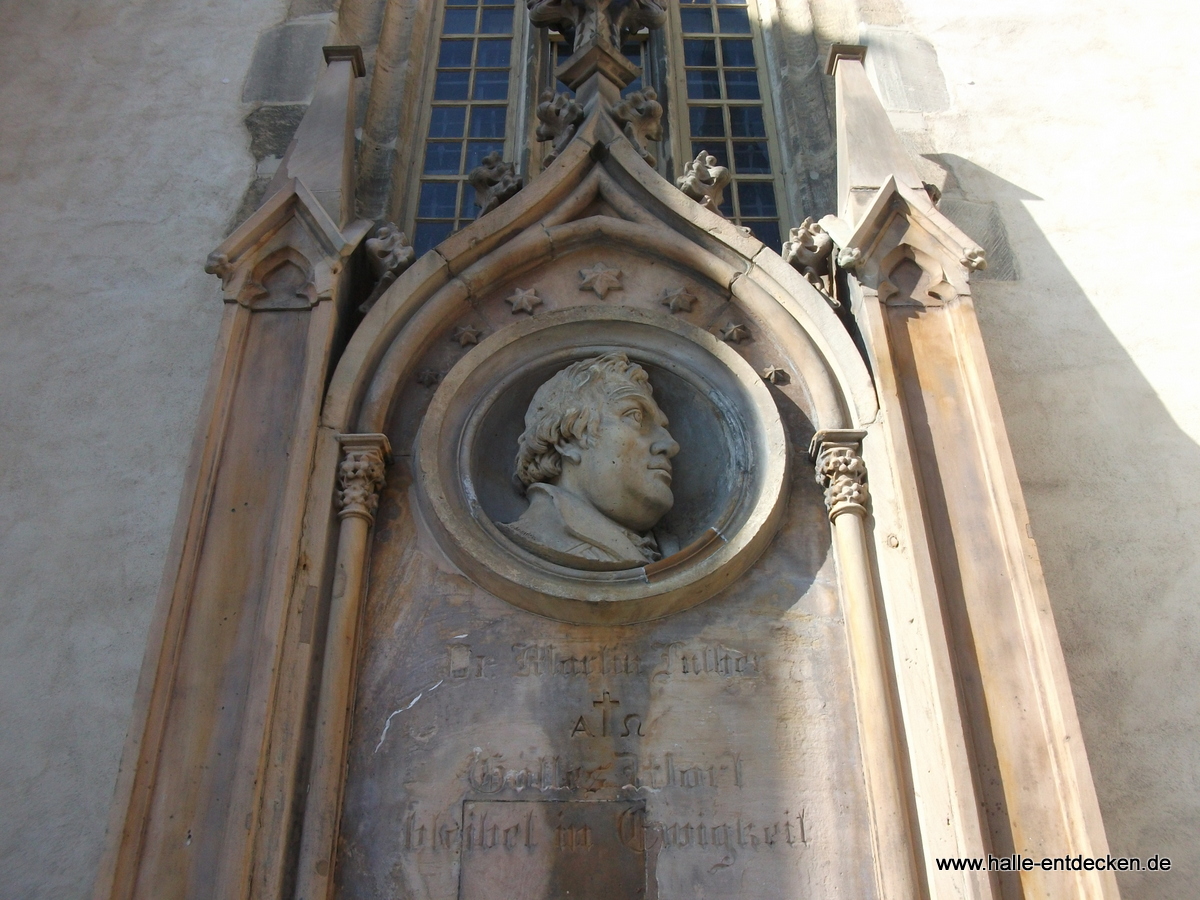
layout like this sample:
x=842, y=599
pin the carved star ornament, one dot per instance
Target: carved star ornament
x=678, y=299
x=601, y=279
x=523, y=300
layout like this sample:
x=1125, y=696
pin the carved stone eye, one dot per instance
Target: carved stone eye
x=635, y=413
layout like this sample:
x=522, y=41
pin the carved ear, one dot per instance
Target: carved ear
x=569, y=451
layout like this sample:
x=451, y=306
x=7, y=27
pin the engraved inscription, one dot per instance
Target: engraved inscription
x=607, y=720
x=546, y=659
x=731, y=834
x=675, y=659
x=712, y=659
x=465, y=664
x=490, y=774
x=516, y=849
x=509, y=827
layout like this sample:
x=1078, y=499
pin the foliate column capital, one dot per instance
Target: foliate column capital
x=841, y=471
x=361, y=474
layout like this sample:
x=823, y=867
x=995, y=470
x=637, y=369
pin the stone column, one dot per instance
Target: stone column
x=361, y=475
x=843, y=474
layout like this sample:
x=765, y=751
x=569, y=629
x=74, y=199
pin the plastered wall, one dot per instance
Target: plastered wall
x=1062, y=138
x=122, y=158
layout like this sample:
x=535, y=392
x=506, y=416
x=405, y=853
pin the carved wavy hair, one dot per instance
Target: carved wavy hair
x=566, y=410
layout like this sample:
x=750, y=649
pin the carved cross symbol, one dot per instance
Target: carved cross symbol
x=604, y=703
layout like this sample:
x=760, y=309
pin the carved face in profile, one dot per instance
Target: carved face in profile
x=595, y=461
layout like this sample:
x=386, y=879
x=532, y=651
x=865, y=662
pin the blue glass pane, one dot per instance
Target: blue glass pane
x=717, y=150
x=757, y=198
x=447, y=121
x=707, y=121
x=462, y=2
x=496, y=21
x=700, y=53
x=747, y=121
x=469, y=209
x=738, y=53
x=430, y=234
x=488, y=121
x=767, y=232
x=459, y=21
x=702, y=84
x=497, y=2
x=726, y=206
x=451, y=86
x=632, y=52
x=741, y=85
x=437, y=200
x=734, y=21
x=493, y=54
x=441, y=158
x=635, y=85
x=751, y=158
x=455, y=55
x=731, y=2
x=477, y=150
x=490, y=85
x=696, y=20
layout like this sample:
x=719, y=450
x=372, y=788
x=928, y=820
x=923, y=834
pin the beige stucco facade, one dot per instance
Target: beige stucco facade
x=125, y=160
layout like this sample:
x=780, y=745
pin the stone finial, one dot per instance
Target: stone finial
x=494, y=181
x=849, y=258
x=218, y=264
x=388, y=255
x=974, y=258
x=807, y=250
x=361, y=475
x=705, y=181
x=640, y=116
x=388, y=252
x=841, y=471
x=602, y=23
x=560, y=115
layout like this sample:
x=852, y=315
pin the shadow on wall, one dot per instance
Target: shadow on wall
x=1113, y=489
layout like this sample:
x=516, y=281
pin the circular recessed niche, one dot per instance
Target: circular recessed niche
x=729, y=480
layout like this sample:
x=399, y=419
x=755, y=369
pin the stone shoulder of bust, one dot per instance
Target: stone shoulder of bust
x=595, y=462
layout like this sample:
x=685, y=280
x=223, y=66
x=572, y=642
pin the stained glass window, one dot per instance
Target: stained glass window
x=467, y=115
x=723, y=88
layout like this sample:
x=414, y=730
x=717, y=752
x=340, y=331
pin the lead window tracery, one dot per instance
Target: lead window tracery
x=467, y=113
x=706, y=65
x=718, y=58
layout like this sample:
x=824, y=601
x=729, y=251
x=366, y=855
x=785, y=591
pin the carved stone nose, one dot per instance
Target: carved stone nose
x=666, y=445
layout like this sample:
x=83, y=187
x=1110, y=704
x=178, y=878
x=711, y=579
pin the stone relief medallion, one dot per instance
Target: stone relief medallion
x=602, y=465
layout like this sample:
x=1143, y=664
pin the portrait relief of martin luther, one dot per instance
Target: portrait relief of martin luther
x=594, y=462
